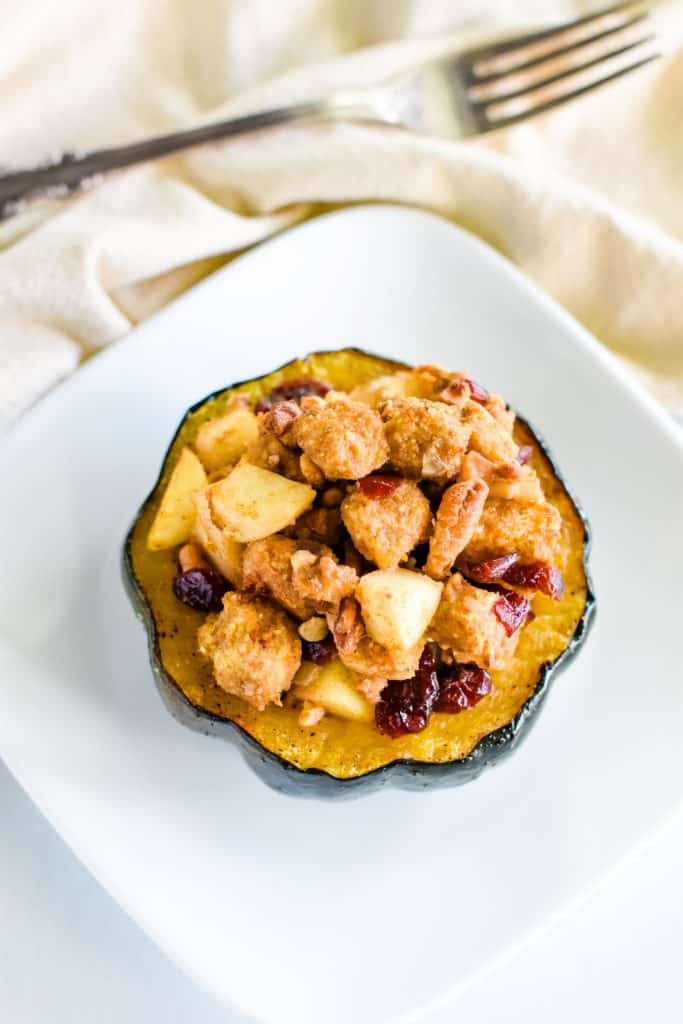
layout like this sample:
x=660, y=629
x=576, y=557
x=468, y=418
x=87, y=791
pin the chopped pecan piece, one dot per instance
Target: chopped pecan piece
x=456, y=520
x=347, y=626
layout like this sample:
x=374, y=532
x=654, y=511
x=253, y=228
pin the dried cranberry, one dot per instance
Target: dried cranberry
x=491, y=570
x=524, y=454
x=462, y=686
x=378, y=485
x=405, y=706
x=511, y=609
x=292, y=390
x=201, y=589
x=536, y=576
x=477, y=392
x=319, y=651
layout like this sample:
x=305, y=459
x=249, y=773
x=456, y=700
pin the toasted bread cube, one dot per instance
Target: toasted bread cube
x=225, y=554
x=427, y=440
x=251, y=503
x=254, y=647
x=466, y=624
x=530, y=529
x=345, y=439
x=333, y=687
x=175, y=516
x=397, y=605
x=223, y=441
x=385, y=530
x=488, y=436
x=303, y=576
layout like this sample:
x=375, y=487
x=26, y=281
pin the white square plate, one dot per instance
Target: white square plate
x=376, y=909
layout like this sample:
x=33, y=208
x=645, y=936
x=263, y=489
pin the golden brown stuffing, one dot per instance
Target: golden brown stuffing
x=274, y=567
x=504, y=479
x=344, y=438
x=456, y=520
x=427, y=440
x=466, y=625
x=505, y=417
x=254, y=647
x=529, y=529
x=321, y=581
x=385, y=530
x=487, y=436
x=372, y=661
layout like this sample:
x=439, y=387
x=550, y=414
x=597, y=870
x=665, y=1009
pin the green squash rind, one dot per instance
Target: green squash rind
x=285, y=777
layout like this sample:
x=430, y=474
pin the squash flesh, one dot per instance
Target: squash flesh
x=346, y=749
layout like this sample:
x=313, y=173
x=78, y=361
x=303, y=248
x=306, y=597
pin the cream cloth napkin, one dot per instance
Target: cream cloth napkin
x=588, y=200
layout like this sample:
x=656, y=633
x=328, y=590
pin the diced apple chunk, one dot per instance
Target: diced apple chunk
x=175, y=516
x=397, y=605
x=333, y=688
x=251, y=503
x=223, y=441
x=225, y=553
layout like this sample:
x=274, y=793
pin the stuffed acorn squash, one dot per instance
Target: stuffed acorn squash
x=361, y=572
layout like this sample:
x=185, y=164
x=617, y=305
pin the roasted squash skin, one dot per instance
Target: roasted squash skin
x=347, y=759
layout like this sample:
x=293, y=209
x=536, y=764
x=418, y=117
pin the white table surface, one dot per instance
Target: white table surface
x=69, y=955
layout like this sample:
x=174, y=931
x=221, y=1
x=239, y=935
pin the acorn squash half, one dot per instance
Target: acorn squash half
x=340, y=757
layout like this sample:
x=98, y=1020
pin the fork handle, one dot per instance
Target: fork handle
x=72, y=172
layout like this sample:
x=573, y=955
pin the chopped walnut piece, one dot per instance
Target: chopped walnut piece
x=280, y=418
x=531, y=529
x=323, y=583
x=310, y=714
x=254, y=648
x=427, y=440
x=347, y=626
x=457, y=393
x=318, y=523
x=344, y=438
x=302, y=576
x=466, y=625
x=268, y=452
x=385, y=530
x=456, y=520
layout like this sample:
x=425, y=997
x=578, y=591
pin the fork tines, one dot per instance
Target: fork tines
x=532, y=73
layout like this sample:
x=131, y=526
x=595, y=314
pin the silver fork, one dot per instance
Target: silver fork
x=456, y=96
